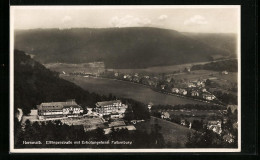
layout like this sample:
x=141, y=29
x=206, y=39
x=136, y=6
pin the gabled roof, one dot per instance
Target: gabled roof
x=57, y=105
x=116, y=123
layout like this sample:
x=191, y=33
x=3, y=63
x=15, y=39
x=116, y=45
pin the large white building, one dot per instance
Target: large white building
x=110, y=107
x=59, y=109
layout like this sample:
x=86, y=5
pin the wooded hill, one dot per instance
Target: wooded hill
x=34, y=84
x=134, y=47
x=227, y=65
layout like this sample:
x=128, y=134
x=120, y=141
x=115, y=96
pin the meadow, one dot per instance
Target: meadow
x=174, y=135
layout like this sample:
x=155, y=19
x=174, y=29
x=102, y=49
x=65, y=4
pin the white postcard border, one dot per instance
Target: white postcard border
x=75, y=150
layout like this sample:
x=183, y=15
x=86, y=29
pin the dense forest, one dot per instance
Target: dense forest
x=34, y=84
x=133, y=47
x=227, y=41
x=228, y=65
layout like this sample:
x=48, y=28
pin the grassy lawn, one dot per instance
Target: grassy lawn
x=174, y=134
x=88, y=123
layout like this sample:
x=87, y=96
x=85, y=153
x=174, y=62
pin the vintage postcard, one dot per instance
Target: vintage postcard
x=86, y=79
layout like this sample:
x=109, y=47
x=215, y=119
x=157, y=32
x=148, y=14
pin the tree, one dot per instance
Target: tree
x=197, y=125
x=208, y=82
x=100, y=135
x=129, y=115
x=205, y=139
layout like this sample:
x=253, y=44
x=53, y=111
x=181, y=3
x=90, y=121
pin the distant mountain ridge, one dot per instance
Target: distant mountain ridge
x=134, y=47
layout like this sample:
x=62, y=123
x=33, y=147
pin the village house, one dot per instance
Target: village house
x=152, y=83
x=165, y=115
x=228, y=138
x=150, y=106
x=169, y=80
x=183, y=122
x=127, y=76
x=136, y=79
x=175, y=90
x=232, y=107
x=163, y=86
x=183, y=92
x=195, y=93
x=191, y=85
x=224, y=72
x=208, y=96
x=215, y=126
x=200, y=83
x=51, y=110
x=204, y=90
x=110, y=107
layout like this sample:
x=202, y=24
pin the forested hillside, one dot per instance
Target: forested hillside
x=228, y=65
x=135, y=47
x=34, y=84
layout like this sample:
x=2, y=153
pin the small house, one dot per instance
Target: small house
x=165, y=115
x=163, y=86
x=209, y=97
x=175, y=90
x=228, y=138
x=195, y=93
x=191, y=85
x=204, y=90
x=215, y=126
x=183, y=92
x=225, y=72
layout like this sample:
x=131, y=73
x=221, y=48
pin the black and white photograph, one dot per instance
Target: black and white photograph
x=125, y=79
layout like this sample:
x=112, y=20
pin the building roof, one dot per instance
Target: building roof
x=116, y=123
x=58, y=105
x=208, y=95
x=214, y=122
x=105, y=103
x=130, y=127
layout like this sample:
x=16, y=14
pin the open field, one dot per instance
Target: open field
x=88, y=123
x=173, y=134
x=206, y=74
x=191, y=115
x=127, y=90
x=159, y=69
x=222, y=82
x=163, y=69
x=95, y=67
x=89, y=68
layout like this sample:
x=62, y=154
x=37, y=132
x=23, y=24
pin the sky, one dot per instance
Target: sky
x=206, y=19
